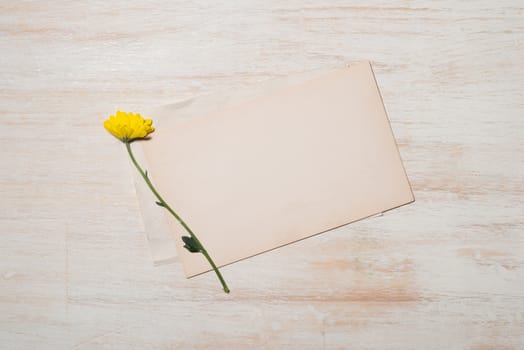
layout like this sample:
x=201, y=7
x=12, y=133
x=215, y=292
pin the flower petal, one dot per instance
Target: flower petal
x=128, y=126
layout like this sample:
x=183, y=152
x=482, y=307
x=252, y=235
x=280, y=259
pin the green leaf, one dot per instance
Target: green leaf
x=190, y=244
x=160, y=204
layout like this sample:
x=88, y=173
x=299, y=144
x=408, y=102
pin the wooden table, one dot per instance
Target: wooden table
x=446, y=272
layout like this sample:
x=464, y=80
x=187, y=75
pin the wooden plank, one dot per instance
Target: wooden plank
x=445, y=272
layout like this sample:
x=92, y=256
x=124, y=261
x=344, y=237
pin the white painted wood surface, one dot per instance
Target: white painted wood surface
x=446, y=272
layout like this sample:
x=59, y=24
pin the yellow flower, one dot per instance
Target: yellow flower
x=128, y=126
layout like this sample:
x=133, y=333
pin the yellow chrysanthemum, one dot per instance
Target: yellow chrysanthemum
x=128, y=126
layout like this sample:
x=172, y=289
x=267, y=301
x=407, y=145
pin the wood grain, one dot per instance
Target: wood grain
x=446, y=272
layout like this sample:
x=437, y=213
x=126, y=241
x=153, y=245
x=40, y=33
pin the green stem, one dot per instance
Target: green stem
x=179, y=219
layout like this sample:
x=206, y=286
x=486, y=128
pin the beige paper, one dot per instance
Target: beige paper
x=271, y=166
